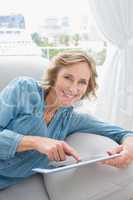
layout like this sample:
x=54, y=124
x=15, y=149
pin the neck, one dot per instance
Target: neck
x=52, y=101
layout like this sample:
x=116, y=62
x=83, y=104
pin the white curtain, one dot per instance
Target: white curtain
x=115, y=97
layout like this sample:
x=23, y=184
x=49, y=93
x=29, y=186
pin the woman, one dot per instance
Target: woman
x=35, y=118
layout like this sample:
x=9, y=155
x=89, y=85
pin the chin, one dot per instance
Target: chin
x=67, y=104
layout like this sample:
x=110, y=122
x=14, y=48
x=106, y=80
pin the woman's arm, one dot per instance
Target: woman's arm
x=54, y=149
x=81, y=122
x=85, y=123
x=13, y=100
x=9, y=107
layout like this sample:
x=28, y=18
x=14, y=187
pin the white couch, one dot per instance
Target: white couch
x=91, y=182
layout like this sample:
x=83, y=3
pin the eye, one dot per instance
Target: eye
x=83, y=82
x=67, y=77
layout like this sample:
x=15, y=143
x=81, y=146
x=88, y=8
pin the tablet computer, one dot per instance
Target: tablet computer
x=55, y=166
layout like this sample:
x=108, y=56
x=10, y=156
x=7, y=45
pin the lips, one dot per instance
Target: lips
x=68, y=95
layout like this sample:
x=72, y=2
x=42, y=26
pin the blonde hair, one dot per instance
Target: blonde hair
x=65, y=59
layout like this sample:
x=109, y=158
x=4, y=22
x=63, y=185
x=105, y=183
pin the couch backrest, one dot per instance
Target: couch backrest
x=14, y=66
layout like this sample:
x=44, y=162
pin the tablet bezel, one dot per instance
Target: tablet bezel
x=75, y=165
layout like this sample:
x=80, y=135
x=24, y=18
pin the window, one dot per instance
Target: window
x=47, y=27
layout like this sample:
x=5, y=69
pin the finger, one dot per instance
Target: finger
x=71, y=152
x=50, y=156
x=117, y=149
x=119, y=162
x=61, y=152
x=110, y=162
x=56, y=154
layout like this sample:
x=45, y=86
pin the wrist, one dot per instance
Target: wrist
x=27, y=143
x=35, y=142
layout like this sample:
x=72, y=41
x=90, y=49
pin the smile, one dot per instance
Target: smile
x=68, y=95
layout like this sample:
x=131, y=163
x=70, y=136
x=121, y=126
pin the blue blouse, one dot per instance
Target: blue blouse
x=22, y=106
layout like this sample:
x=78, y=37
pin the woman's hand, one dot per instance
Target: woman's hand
x=127, y=154
x=55, y=149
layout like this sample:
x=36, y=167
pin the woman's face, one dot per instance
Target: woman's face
x=71, y=83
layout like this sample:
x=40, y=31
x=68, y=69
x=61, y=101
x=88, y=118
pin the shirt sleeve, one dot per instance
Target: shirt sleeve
x=81, y=122
x=9, y=108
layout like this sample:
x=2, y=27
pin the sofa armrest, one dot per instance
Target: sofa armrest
x=92, y=181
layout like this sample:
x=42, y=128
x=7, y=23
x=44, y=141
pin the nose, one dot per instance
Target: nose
x=74, y=89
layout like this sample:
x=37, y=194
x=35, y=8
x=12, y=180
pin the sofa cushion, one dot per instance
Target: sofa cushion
x=92, y=181
x=30, y=189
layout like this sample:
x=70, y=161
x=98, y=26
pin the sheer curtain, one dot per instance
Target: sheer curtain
x=115, y=97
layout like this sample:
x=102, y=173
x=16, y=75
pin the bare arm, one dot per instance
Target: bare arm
x=27, y=143
x=54, y=149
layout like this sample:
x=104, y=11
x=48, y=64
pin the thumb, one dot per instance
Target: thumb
x=117, y=149
x=71, y=152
